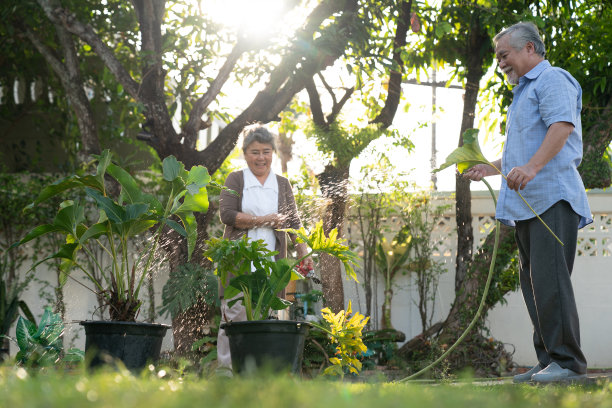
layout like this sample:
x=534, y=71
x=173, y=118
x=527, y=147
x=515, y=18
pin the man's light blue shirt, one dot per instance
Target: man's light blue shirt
x=545, y=95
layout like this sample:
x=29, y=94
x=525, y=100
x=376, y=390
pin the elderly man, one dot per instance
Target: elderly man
x=542, y=152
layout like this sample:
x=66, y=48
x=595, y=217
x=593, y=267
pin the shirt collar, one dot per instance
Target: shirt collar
x=537, y=70
x=251, y=181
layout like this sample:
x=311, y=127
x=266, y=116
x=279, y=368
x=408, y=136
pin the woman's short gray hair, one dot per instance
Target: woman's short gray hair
x=521, y=34
x=257, y=133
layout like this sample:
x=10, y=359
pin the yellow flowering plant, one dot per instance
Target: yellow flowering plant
x=345, y=331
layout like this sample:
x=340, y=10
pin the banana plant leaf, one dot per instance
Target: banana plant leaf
x=469, y=155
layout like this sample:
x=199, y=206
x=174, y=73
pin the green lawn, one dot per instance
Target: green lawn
x=19, y=388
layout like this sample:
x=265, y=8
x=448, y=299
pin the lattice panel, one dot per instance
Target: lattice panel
x=483, y=225
x=595, y=239
x=444, y=233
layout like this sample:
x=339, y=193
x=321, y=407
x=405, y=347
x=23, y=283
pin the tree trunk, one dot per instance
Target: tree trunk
x=467, y=300
x=334, y=187
x=463, y=209
x=386, y=308
x=477, y=39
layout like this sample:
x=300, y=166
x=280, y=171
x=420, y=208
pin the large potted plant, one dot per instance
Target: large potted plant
x=250, y=275
x=118, y=221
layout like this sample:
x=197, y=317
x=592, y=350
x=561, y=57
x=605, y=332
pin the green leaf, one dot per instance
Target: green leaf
x=114, y=212
x=104, y=160
x=37, y=232
x=331, y=244
x=172, y=168
x=195, y=202
x=176, y=202
x=69, y=217
x=191, y=227
x=134, y=211
x=50, y=329
x=186, y=284
x=66, y=251
x=211, y=356
x=66, y=184
x=94, y=231
x=129, y=187
x=22, y=333
x=467, y=155
x=198, y=175
x=138, y=227
x=175, y=226
x=73, y=355
x=26, y=311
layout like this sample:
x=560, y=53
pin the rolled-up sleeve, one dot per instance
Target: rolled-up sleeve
x=558, y=98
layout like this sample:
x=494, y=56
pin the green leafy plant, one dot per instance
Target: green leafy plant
x=185, y=285
x=10, y=304
x=391, y=258
x=42, y=345
x=235, y=260
x=119, y=220
x=469, y=155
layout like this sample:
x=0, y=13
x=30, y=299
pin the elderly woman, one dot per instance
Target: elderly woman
x=264, y=204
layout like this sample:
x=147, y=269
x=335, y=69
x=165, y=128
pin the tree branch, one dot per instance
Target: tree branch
x=394, y=90
x=337, y=107
x=86, y=33
x=48, y=54
x=193, y=125
x=70, y=77
x=329, y=88
x=315, y=104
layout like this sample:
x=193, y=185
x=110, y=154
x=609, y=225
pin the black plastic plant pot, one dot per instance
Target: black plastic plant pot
x=266, y=344
x=135, y=344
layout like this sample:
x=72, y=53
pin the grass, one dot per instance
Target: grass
x=118, y=389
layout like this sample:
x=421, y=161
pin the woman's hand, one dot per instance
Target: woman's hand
x=271, y=221
x=248, y=221
x=302, y=251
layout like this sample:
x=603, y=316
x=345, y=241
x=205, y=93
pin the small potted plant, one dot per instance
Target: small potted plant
x=119, y=220
x=250, y=275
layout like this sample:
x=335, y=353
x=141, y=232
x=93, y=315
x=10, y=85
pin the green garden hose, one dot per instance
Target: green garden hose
x=480, y=307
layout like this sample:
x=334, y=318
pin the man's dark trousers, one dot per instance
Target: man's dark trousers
x=545, y=270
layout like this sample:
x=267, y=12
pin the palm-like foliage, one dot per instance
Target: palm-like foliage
x=121, y=219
